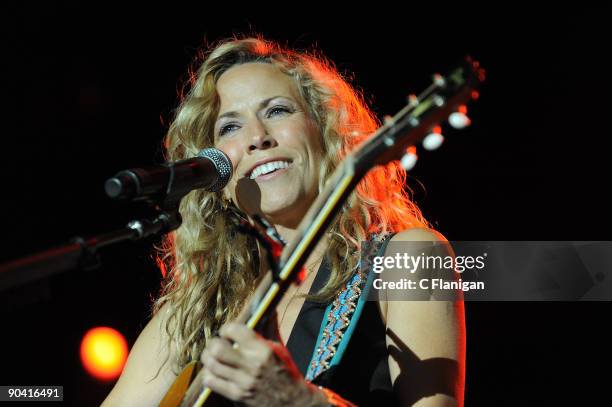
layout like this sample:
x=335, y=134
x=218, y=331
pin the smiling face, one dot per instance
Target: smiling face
x=266, y=130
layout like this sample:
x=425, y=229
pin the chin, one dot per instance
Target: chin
x=284, y=211
x=277, y=210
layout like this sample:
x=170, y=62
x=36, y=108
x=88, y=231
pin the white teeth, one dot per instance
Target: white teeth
x=268, y=167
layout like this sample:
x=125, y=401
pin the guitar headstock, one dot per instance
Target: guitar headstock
x=420, y=121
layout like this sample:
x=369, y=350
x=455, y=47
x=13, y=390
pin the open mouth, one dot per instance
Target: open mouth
x=269, y=168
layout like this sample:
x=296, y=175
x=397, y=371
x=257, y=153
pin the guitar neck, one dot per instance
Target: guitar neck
x=270, y=291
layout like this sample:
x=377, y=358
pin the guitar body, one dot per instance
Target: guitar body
x=177, y=391
x=178, y=394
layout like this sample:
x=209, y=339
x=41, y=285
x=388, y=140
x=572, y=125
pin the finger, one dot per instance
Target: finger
x=226, y=388
x=251, y=362
x=229, y=373
x=256, y=353
x=246, y=338
x=221, y=350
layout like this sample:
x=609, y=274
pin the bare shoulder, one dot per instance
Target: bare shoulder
x=417, y=241
x=418, y=235
x=426, y=339
x=148, y=372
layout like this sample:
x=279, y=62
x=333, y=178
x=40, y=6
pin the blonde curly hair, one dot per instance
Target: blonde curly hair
x=211, y=268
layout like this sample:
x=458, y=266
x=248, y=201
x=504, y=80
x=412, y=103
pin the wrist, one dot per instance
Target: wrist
x=318, y=396
x=323, y=397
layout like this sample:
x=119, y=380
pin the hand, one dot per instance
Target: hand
x=242, y=366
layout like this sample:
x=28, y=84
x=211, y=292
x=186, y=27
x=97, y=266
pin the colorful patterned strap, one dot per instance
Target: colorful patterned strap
x=342, y=314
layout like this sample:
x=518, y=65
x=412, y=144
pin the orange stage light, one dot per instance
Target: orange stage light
x=104, y=352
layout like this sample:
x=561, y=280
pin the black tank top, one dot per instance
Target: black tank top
x=362, y=376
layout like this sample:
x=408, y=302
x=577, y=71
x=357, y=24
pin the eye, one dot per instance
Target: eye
x=278, y=110
x=227, y=128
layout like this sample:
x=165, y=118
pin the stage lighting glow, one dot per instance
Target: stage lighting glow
x=103, y=353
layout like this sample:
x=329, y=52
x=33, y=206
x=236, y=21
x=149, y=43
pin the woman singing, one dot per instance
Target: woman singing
x=286, y=119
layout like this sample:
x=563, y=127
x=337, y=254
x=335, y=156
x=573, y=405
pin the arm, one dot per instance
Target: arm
x=426, y=341
x=139, y=385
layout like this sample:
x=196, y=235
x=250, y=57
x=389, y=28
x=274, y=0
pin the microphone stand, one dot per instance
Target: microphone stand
x=82, y=253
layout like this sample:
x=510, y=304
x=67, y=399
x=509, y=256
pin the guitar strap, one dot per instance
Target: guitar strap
x=342, y=315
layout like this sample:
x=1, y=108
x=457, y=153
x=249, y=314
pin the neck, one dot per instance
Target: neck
x=287, y=232
x=317, y=254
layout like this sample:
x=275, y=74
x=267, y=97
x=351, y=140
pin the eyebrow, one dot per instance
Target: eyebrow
x=262, y=104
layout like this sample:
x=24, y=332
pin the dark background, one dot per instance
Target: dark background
x=88, y=91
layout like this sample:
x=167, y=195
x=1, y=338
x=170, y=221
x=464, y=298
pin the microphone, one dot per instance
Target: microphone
x=211, y=170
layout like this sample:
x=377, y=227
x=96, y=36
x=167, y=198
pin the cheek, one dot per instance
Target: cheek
x=303, y=135
x=312, y=136
x=232, y=150
x=314, y=145
x=234, y=153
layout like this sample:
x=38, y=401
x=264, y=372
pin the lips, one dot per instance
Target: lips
x=269, y=168
x=265, y=161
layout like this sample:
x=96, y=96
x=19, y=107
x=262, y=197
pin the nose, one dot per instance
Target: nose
x=260, y=137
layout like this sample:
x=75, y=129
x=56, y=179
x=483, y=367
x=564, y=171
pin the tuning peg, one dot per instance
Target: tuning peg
x=459, y=119
x=434, y=139
x=439, y=80
x=413, y=100
x=409, y=159
x=388, y=119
